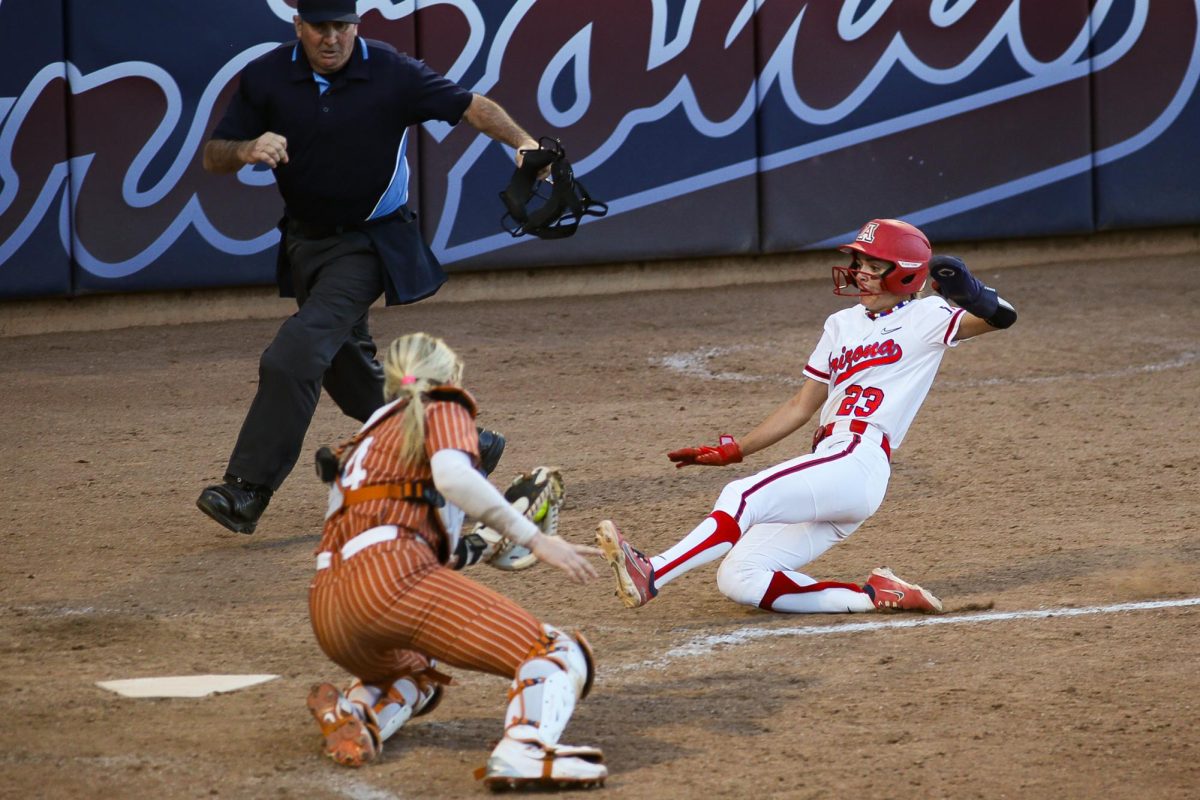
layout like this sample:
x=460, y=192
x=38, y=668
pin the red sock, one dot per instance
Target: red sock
x=782, y=585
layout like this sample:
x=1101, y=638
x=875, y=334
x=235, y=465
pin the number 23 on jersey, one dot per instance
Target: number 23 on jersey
x=860, y=401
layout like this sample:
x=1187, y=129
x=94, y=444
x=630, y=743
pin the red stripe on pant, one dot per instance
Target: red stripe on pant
x=782, y=585
x=792, y=471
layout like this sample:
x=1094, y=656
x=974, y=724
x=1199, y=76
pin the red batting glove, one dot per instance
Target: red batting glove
x=727, y=452
x=684, y=457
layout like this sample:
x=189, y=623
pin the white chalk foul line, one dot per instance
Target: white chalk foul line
x=357, y=789
x=694, y=364
x=704, y=645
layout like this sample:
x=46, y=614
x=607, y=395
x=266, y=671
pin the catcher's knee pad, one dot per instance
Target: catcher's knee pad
x=542, y=698
x=574, y=655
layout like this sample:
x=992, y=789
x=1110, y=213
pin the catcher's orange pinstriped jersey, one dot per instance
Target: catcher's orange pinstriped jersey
x=448, y=425
x=385, y=610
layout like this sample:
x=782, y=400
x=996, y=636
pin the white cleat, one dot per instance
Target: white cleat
x=518, y=765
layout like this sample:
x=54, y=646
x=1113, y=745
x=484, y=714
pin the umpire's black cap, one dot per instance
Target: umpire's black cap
x=327, y=11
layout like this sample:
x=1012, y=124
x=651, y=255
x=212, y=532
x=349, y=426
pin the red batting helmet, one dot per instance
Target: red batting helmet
x=899, y=243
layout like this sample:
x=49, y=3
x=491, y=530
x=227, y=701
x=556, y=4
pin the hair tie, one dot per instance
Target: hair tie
x=408, y=379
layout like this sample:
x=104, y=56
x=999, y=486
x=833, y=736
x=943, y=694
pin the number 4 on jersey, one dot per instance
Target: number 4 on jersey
x=353, y=474
x=870, y=397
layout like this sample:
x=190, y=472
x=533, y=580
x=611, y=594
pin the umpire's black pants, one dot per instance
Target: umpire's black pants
x=326, y=342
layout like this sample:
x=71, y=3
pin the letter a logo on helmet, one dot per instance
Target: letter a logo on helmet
x=892, y=240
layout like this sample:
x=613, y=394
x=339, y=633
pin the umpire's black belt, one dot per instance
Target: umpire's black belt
x=322, y=230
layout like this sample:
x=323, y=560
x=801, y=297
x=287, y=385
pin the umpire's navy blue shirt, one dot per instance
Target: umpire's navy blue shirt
x=346, y=132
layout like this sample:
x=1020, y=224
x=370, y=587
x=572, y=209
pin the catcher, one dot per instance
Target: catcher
x=386, y=607
x=867, y=377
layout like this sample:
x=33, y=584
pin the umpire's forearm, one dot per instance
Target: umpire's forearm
x=221, y=155
x=487, y=117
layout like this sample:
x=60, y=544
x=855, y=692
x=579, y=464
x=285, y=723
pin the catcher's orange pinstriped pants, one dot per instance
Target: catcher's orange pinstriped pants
x=384, y=612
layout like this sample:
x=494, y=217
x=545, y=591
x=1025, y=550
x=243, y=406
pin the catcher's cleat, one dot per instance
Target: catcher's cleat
x=430, y=699
x=348, y=740
x=236, y=504
x=635, y=574
x=890, y=593
x=517, y=765
x=491, y=447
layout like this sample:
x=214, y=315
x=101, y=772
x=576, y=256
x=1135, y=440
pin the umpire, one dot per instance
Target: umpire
x=330, y=114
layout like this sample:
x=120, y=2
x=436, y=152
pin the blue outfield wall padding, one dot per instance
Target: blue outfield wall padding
x=34, y=175
x=710, y=128
x=146, y=215
x=1148, y=125
x=1059, y=209
x=656, y=116
x=962, y=116
x=1156, y=186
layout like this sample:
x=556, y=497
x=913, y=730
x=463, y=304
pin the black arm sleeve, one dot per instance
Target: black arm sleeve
x=1004, y=316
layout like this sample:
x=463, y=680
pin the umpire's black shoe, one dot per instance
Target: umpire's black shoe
x=236, y=504
x=491, y=447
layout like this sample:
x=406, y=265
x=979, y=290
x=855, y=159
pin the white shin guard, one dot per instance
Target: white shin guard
x=543, y=695
x=387, y=712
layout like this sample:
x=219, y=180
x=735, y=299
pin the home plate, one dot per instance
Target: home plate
x=183, y=685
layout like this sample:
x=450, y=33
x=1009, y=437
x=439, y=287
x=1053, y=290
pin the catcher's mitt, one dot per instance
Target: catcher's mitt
x=537, y=495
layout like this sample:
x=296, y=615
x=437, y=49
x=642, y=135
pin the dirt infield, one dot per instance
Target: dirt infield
x=1053, y=471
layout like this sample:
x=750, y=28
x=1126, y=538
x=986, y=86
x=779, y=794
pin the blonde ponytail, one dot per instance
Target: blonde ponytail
x=413, y=364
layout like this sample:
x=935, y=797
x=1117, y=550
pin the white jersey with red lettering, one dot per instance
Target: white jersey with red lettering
x=879, y=367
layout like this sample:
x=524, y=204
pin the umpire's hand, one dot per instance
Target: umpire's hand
x=269, y=149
